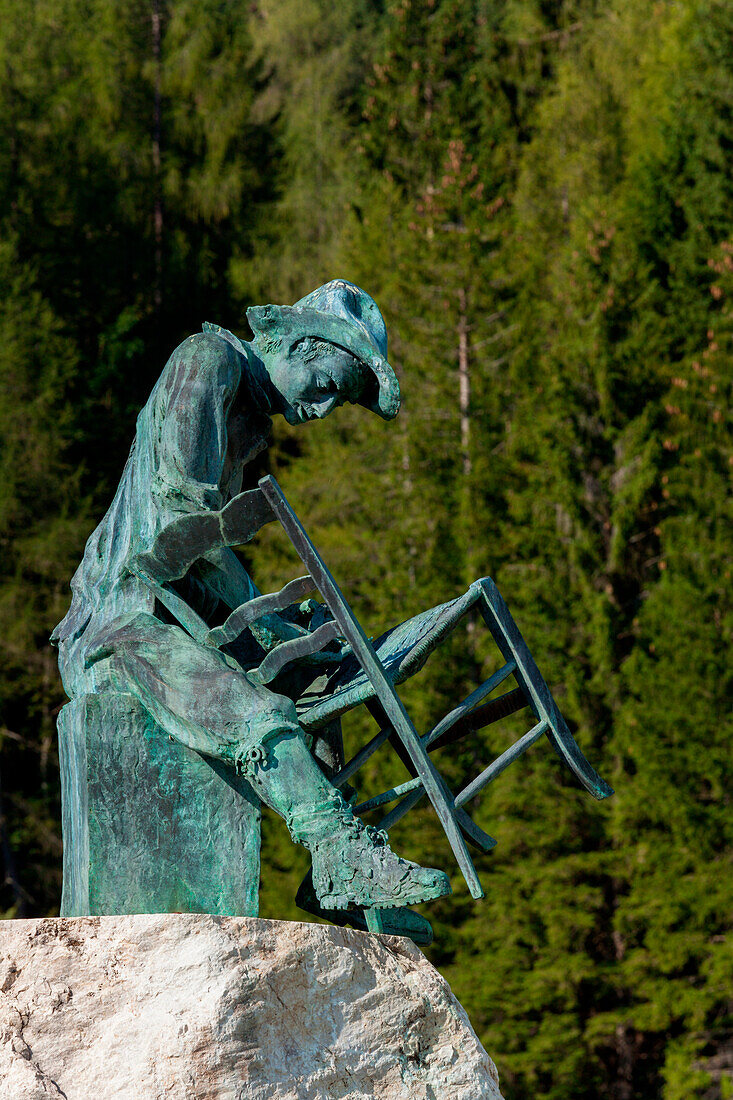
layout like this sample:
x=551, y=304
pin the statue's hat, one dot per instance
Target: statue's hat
x=342, y=314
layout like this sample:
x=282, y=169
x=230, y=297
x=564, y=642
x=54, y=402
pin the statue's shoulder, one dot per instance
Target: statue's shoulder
x=212, y=357
x=205, y=371
x=250, y=380
x=224, y=334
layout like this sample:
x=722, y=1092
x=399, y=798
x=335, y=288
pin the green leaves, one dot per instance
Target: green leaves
x=539, y=198
x=594, y=487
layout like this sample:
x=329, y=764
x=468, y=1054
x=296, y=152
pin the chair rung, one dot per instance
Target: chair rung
x=254, y=609
x=501, y=763
x=389, y=796
x=480, y=717
x=243, y=517
x=286, y=652
x=469, y=703
x=361, y=757
x=476, y=835
x=401, y=809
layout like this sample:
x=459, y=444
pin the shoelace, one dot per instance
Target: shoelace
x=356, y=826
x=302, y=824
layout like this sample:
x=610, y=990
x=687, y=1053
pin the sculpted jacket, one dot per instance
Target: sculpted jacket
x=206, y=418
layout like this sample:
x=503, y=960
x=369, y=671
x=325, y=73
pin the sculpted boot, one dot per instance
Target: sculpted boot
x=353, y=865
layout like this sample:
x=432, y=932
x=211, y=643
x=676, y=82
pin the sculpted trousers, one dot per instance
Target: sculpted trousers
x=198, y=695
x=202, y=698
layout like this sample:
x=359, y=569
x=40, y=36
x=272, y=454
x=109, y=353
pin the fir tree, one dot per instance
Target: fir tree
x=38, y=531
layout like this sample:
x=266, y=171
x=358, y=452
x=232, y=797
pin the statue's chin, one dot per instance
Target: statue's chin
x=292, y=416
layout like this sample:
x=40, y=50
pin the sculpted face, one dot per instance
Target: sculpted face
x=313, y=378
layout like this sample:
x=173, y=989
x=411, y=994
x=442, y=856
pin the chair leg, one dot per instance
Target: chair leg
x=395, y=713
x=512, y=645
x=375, y=920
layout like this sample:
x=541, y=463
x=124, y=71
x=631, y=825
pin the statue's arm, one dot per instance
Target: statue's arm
x=192, y=422
x=189, y=419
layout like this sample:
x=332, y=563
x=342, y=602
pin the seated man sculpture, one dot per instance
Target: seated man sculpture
x=207, y=417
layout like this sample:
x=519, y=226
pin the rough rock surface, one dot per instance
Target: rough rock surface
x=195, y=1007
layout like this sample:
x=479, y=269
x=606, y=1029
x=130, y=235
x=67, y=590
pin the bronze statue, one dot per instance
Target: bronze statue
x=189, y=687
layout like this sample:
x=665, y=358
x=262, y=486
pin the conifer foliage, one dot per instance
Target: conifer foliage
x=540, y=197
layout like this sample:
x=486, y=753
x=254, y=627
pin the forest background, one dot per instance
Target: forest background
x=539, y=194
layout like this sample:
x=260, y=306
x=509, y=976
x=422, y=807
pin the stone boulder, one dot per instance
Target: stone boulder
x=195, y=1007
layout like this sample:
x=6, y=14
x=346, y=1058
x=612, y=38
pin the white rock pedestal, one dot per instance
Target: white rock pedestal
x=194, y=1007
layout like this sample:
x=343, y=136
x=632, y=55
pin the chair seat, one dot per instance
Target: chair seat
x=403, y=651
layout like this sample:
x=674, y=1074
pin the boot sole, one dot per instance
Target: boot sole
x=343, y=901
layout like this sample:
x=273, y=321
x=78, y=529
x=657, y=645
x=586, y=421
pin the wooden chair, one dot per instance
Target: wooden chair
x=371, y=674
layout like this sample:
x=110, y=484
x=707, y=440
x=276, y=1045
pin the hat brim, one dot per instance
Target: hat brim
x=293, y=323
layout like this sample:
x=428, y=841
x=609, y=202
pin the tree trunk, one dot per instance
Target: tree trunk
x=155, y=21
x=464, y=383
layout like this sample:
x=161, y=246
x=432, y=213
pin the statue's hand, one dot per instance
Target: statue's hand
x=308, y=616
x=316, y=614
x=335, y=653
x=178, y=546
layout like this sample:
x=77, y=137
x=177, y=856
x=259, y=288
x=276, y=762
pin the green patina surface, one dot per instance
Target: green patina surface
x=149, y=824
x=195, y=698
x=169, y=743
